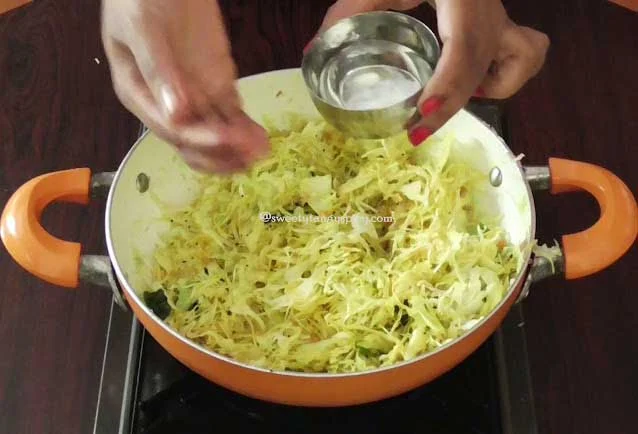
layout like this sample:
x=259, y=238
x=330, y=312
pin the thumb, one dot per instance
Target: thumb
x=343, y=9
x=163, y=75
x=347, y=8
x=456, y=77
x=521, y=57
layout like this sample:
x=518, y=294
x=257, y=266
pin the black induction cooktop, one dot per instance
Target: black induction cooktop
x=464, y=401
x=145, y=390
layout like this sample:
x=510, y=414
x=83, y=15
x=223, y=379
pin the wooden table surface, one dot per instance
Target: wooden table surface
x=58, y=111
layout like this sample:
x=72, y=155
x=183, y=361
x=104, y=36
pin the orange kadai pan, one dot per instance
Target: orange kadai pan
x=129, y=205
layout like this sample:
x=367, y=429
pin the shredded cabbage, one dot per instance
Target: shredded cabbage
x=334, y=296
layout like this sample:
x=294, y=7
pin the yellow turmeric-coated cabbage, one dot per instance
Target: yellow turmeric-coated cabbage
x=322, y=286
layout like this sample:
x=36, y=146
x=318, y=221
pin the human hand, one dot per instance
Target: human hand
x=171, y=66
x=484, y=54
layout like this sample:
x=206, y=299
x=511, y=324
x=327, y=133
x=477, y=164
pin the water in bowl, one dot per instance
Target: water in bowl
x=372, y=75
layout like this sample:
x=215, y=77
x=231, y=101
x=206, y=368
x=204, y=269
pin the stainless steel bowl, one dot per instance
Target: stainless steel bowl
x=366, y=72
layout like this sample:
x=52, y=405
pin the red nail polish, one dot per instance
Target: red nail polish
x=430, y=106
x=419, y=135
x=479, y=92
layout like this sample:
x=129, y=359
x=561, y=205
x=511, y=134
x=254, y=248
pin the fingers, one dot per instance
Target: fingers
x=457, y=75
x=154, y=60
x=340, y=10
x=209, y=66
x=347, y=8
x=207, y=145
x=196, y=87
x=521, y=57
x=175, y=72
x=465, y=70
x=206, y=162
x=132, y=91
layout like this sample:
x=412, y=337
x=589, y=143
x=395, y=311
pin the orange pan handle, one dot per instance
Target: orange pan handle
x=7, y=5
x=51, y=259
x=596, y=248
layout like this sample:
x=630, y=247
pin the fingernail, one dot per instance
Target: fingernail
x=168, y=99
x=479, y=93
x=419, y=135
x=196, y=161
x=431, y=105
x=200, y=137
